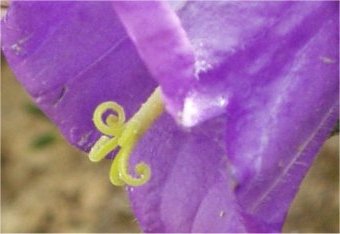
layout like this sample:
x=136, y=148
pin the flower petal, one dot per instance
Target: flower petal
x=284, y=125
x=188, y=170
x=283, y=102
x=240, y=45
x=163, y=45
x=191, y=188
x=68, y=55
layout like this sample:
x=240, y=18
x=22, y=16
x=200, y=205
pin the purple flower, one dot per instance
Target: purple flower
x=251, y=90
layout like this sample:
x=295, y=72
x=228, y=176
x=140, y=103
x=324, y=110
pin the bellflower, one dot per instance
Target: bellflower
x=250, y=91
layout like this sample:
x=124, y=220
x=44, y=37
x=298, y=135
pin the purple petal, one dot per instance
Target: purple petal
x=282, y=89
x=190, y=189
x=227, y=38
x=239, y=45
x=163, y=45
x=68, y=55
x=299, y=111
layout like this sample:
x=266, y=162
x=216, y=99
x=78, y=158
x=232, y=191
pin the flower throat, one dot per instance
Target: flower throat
x=124, y=136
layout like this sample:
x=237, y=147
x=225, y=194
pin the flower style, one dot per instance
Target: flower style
x=125, y=136
x=250, y=92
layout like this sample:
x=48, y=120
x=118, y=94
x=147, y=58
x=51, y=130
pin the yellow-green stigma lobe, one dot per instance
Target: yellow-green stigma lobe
x=117, y=133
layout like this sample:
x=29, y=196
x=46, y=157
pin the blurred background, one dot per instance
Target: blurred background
x=49, y=186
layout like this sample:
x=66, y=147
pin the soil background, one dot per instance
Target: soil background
x=49, y=186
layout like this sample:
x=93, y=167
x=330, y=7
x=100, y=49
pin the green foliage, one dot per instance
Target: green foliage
x=44, y=140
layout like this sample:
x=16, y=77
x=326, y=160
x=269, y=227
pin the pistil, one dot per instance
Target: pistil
x=117, y=133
